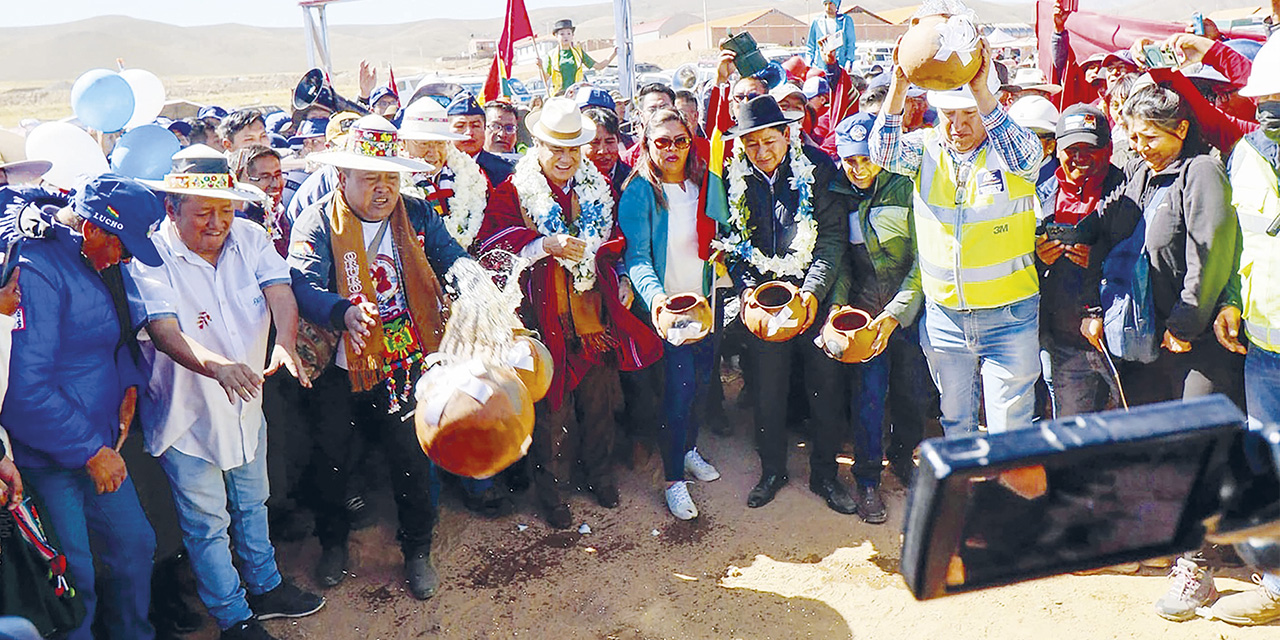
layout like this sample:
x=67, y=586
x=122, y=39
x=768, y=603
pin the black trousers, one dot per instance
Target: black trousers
x=343, y=417
x=1206, y=369
x=771, y=364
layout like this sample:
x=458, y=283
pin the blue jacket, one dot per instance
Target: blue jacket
x=311, y=258
x=845, y=55
x=69, y=370
x=495, y=167
x=644, y=224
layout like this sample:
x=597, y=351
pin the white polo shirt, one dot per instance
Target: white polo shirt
x=222, y=308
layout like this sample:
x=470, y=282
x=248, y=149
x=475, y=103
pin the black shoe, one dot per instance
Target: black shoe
x=331, y=569
x=904, y=469
x=285, y=601
x=170, y=612
x=246, y=630
x=835, y=494
x=606, y=495
x=559, y=516
x=490, y=503
x=421, y=576
x=765, y=490
x=871, y=505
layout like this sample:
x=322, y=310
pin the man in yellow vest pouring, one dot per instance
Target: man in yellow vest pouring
x=974, y=213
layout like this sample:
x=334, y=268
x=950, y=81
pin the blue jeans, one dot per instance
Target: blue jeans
x=122, y=537
x=868, y=393
x=1262, y=397
x=687, y=370
x=1078, y=378
x=985, y=352
x=211, y=503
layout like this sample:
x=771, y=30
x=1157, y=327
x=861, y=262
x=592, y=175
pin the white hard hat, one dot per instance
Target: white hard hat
x=1035, y=113
x=961, y=97
x=1264, y=79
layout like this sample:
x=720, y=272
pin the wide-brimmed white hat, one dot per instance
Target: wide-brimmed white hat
x=560, y=122
x=1032, y=79
x=372, y=144
x=426, y=119
x=1264, y=79
x=961, y=97
x=200, y=170
x=13, y=159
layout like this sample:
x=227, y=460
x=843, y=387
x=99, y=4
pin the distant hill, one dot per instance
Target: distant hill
x=65, y=51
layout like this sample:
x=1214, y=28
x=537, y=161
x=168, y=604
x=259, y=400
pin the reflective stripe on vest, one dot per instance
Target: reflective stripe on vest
x=1256, y=197
x=976, y=243
x=557, y=80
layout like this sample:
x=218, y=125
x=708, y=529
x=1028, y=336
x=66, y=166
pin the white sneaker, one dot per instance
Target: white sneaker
x=695, y=466
x=679, y=502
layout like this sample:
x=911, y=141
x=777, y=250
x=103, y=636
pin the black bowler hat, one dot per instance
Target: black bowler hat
x=563, y=24
x=760, y=112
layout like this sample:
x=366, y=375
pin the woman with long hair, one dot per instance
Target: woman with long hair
x=1174, y=230
x=660, y=216
x=1174, y=222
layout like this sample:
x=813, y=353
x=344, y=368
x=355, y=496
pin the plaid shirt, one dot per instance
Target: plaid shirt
x=1017, y=146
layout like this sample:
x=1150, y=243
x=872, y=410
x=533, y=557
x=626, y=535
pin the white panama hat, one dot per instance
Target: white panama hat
x=426, y=119
x=200, y=170
x=1264, y=79
x=560, y=122
x=372, y=144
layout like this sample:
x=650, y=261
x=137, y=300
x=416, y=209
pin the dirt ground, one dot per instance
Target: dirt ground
x=792, y=569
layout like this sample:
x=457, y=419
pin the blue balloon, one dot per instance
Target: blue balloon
x=145, y=152
x=102, y=100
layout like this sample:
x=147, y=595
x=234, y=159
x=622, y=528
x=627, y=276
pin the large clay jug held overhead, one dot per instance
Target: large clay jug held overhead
x=473, y=420
x=774, y=312
x=939, y=52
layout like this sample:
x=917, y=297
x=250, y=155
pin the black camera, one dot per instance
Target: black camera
x=1088, y=492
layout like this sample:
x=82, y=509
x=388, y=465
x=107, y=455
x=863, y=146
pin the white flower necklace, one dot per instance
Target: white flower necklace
x=470, y=195
x=595, y=217
x=795, y=262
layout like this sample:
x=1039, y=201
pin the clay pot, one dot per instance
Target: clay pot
x=532, y=362
x=774, y=312
x=684, y=318
x=922, y=41
x=846, y=336
x=471, y=420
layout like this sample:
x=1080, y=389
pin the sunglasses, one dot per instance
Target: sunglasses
x=679, y=142
x=743, y=97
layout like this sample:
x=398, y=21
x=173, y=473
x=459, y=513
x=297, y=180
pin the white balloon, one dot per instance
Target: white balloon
x=148, y=96
x=75, y=155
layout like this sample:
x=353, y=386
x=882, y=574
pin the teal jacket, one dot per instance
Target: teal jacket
x=644, y=223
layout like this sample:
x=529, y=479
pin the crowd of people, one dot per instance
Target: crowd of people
x=1024, y=247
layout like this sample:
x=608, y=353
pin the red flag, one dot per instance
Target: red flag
x=516, y=28
x=395, y=91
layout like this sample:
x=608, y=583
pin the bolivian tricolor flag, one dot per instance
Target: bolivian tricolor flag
x=714, y=195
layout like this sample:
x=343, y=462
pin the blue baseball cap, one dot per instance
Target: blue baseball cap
x=276, y=121
x=310, y=128
x=380, y=93
x=595, y=97
x=124, y=208
x=816, y=86
x=852, y=135
x=179, y=126
x=278, y=141
x=464, y=104
x=212, y=111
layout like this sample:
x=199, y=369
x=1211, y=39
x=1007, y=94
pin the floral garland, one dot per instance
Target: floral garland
x=595, y=218
x=470, y=195
x=738, y=243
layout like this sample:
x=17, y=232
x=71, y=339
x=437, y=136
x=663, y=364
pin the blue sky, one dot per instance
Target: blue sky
x=263, y=13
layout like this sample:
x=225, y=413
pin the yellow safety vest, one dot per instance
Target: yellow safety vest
x=553, y=69
x=1256, y=197
x=976, y=243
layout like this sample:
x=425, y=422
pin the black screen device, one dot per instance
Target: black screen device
x=1074, y=494
x=1065, y=233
